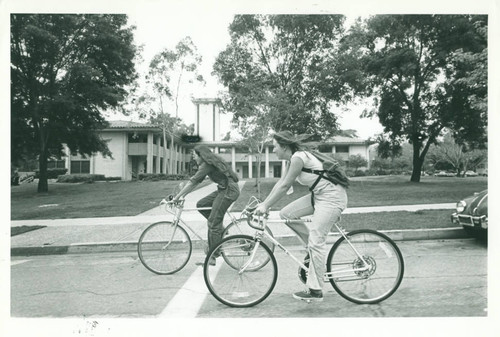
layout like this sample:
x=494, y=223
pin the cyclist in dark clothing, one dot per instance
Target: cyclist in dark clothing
x=215, y=167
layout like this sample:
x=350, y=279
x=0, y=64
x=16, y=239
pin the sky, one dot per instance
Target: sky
x=208, y=28
x=162, y=24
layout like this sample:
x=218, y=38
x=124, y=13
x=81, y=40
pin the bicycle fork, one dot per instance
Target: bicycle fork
x=176, y=224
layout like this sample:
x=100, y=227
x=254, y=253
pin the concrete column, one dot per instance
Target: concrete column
x=158, y=154
x=92, y=164
x=174, y=162
x=67, y=160
x=149, y=160
x=250, y=174
x=126, y=174
x=233, y=158
x=283, y=168
x=266, y=175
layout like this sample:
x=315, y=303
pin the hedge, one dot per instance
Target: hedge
x=80, y=178
x=52, y=173
x=161, y=176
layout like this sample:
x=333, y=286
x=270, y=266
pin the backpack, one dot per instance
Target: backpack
x=331, y=171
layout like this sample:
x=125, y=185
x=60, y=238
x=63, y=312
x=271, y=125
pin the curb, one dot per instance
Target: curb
x=287, y=240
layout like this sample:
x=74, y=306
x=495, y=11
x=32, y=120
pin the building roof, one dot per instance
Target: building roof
x=345, y=140
x=333, y=141
x=206, y=100
x=134, y=126
x=130, y=125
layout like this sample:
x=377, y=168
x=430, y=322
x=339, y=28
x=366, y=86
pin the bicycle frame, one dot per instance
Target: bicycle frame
x=260, y=233
x=176, y=209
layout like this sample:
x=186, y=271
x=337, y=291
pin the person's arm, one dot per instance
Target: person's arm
x=188, y=188
x=280, y=189
x=198, y=177
x=279, y=183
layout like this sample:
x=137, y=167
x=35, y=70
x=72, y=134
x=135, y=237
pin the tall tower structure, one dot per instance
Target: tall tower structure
x=207, y=124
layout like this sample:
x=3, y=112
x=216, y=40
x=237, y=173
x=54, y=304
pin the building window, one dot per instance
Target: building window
x=342, y=149
x=135, y=137
x=80, y=166
x=56, y=164
x=325, y=148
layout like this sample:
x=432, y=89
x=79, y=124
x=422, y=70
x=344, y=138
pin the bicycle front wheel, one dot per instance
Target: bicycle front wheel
x=241, y=227
x=367, y=269
x=237, y=283
x=164, y=248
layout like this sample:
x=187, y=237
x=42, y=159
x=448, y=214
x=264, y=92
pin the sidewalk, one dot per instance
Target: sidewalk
x=109, y=234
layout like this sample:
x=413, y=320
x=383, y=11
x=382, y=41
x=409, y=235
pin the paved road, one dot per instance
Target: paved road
x=442, y=279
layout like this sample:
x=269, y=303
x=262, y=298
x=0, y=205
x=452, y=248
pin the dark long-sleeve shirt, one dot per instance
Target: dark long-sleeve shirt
x=213, y=173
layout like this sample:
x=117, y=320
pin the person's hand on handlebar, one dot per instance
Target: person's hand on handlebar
x=261, y=209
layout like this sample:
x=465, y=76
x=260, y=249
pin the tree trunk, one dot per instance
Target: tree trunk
x=43, y=185
x=417, y=164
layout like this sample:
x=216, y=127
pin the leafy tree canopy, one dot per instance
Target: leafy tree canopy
x=274, y=69
x=65, y=70
x=419, y=69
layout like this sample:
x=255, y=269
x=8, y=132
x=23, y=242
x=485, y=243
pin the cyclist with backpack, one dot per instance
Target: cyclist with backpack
x=328, y=199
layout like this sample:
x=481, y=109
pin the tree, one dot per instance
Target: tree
x=411, y=67
x=65, y=70
x=169, y=72
x=275, y=66
x=255, y=133
x=461, y=157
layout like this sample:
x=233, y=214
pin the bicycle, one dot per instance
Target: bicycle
x=363, y=266
x=165, y=247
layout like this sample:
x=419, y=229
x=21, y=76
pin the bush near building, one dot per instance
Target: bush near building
x=161, y=176
x=80, y=178
x=52, y=173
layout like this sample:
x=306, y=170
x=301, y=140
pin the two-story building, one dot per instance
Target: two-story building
x=136, y=148
x=140, y=148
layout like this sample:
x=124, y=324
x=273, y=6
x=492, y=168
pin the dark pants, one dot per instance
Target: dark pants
x=220, y=201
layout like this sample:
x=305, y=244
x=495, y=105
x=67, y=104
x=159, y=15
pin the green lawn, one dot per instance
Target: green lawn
x=102, y=199
x=398, y=220
x=384, y=190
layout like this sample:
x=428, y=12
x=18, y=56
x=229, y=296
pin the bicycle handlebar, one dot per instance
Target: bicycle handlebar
x=168, y=201
x=252, y=218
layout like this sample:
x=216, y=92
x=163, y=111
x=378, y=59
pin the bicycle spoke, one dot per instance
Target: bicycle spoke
x=367, y=269
x=164, y=248
x=235, y=287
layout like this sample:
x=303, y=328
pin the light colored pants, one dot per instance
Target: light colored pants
x=329, y=202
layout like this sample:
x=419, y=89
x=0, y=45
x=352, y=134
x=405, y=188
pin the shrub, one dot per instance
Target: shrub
x=80, y=178
x=359, y=173
x=112, y=178
x=52, y=173
x=381, y=172
x=161, y=176
x=349, y=173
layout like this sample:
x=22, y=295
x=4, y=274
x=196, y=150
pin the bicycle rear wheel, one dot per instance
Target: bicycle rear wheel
x=367, y=283
x=232, y=286
x=240, y=227
x=164, y=248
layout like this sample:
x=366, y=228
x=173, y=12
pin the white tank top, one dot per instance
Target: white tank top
x=313, y=163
